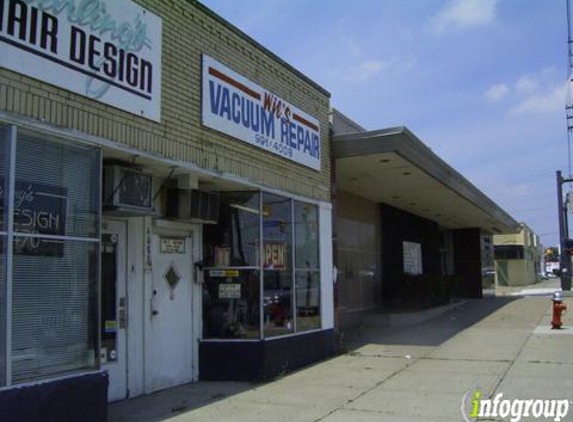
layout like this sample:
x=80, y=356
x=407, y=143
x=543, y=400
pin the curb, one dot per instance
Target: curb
x=541, y=293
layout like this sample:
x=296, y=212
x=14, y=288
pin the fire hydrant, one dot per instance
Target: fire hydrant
x=558, y=309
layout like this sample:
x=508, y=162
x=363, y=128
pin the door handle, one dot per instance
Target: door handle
x=122, y=318
x=122, y=313
x=153, y=312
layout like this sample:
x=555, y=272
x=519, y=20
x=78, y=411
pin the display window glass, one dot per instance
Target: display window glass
x=54, y=204
x=278, y=315
x=234, y=241
x=55, y=271
x=231, y=305
x=307, y=266
x=262, y=268
x=231, y=292
x=4, y=167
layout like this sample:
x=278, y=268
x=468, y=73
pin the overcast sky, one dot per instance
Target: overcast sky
x=481, y=82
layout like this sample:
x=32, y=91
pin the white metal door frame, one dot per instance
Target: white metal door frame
x=118, y=370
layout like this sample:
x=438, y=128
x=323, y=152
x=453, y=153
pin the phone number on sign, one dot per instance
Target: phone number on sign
x=273, y=145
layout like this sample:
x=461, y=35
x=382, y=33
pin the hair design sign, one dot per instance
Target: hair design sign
x=107, y=50
x=39, y=210
x=234, y=105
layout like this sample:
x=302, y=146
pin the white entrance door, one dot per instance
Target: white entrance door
x=171, y=314
x=113, y=313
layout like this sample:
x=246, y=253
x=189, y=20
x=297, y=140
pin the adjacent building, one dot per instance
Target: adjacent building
x=518, y=257
x=401, y=211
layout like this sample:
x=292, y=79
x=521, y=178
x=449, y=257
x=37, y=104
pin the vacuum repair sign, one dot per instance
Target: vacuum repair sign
x=234, y=105
x=107, y=50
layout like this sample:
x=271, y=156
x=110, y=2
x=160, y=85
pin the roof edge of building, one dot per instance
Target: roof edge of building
x=402, y=141
x=337, y=114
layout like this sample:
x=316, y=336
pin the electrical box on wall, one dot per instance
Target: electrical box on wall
x=127, y=191
x=193, y=204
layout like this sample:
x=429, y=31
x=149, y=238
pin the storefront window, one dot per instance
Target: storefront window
x=307, y=267
x=4, y=166
x=3, y=312
x=278, y=315
x=232, y=300
x=231, y=305
x=53, y=310
x=234, y=242
x=55, y=263
x=231, y=294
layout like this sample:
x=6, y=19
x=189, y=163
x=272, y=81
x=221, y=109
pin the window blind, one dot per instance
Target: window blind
x=4, y=165
x=55, y=262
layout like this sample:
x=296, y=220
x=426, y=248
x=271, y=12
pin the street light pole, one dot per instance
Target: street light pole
x=564, y=259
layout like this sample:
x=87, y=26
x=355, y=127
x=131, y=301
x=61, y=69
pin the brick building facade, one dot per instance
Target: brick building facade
x=172, y=251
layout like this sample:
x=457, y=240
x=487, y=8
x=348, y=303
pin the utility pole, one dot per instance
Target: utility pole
x=564, y=258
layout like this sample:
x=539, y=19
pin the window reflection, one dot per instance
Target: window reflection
x=306, y=235
x=307, y=267
x=231, y=295
x=234, y=241
x=278, y=315
x=4, y=166
x=277, y=262
x=234, y=258
x=55, y=281
x=307, y=300
x=231, y=307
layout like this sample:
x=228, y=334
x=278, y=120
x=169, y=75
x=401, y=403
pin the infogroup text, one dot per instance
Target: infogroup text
x=475, y=406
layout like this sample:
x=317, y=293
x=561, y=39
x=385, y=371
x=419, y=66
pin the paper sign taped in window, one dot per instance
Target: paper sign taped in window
x=229, y=291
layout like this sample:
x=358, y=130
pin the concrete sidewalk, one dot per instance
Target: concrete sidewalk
x=543, y=288
x=388, y=374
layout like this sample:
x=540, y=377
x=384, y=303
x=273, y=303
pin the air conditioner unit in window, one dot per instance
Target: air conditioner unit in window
x=193, y=204
x=127, y=191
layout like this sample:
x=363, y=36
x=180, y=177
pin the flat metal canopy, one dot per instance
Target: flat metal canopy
x=394, y=167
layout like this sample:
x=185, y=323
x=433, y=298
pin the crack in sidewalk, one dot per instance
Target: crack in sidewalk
x=512, y=362
x=426, y=357
x=368, y=390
